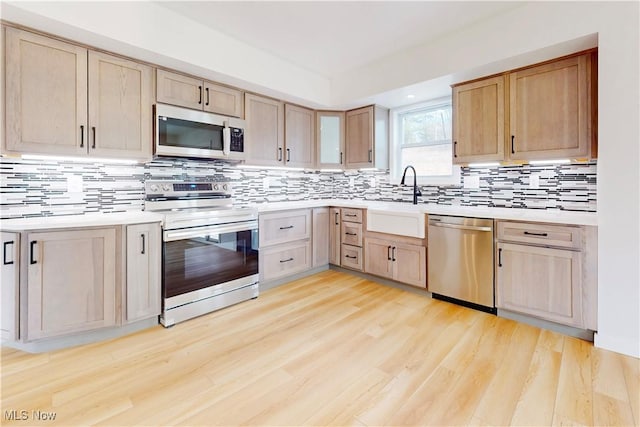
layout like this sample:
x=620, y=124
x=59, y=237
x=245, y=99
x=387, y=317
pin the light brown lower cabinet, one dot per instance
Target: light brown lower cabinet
x=284, y=260
x=320, y=236
x=9, y=286
x=143, y=284
x=542, y=282
x=335, y=228
x=71, y=282
x=402, y=262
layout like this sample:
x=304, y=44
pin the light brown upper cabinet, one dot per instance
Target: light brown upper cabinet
x=63, y=99
x=198, y=94
x=478, y=121
x=330, y=139
x=299, y=136
x=550, y=110
x=545, y=111
x=264, y=133
x=366, y=133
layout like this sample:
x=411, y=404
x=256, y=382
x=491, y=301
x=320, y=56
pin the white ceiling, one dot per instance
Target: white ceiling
x=329, y=37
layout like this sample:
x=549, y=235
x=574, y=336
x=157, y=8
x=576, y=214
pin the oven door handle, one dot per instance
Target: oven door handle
x=188, y=233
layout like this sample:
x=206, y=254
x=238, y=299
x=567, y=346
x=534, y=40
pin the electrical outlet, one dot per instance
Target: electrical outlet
x=372, y=181
x=534, y=181
x=74, y=183
x=352, y=182
x=471, y=182
x=266, y=183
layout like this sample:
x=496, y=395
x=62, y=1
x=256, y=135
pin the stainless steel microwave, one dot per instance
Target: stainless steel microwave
x=182, y=132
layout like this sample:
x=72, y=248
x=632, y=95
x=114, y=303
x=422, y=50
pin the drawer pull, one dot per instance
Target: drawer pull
x=287, y=227
x=350, y=234
x=351, y=257
x=286, y=260
x=529, y=233
x=350, y=214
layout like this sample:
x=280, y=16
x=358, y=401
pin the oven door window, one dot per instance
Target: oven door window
x=188, y=134
x=208, y=260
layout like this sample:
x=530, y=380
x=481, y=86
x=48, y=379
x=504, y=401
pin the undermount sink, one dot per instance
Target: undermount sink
x=402, y=223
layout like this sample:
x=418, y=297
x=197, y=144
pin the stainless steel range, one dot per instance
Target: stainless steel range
x=209, y=248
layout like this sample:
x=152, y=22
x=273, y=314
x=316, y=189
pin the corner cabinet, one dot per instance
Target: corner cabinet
x=9, y=286
x=184, y=91
x=63, y=99
x=71, y=282
x=320, y=236
x=335, y=230
x=330, y=146
x=142, y=286
x=478, y=121
x=366, y=132
x=546, y=111
x=265, y=130
x=299, y=136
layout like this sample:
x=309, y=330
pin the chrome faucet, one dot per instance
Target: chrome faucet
x=416, y=191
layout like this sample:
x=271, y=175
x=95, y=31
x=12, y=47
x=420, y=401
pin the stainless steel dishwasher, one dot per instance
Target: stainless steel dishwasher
x=460, y=261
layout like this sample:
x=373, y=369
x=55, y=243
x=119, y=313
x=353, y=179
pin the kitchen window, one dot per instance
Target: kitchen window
x=421, y=137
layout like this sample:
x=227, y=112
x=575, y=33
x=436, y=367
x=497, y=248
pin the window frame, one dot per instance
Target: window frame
x=395, y=170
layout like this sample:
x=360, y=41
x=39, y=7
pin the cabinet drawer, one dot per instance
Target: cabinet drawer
x=283, y=227
x=352, y=233
x=284, y=260
x=352, y=257
x=541, y=234
x=352, y=215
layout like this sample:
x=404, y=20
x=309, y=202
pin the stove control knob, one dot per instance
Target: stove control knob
x=216, y=187
x=153, y=188
x=166, y=187
x=225, y=187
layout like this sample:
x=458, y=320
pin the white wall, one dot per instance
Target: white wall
x=525, y=34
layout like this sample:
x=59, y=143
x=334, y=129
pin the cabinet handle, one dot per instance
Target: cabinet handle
x=347, y=214
x=287, y=227
x=81, y=136
x=286, y=260
x=93, y=131
x=370, y=156
x=351, y=257
x=279, y=154
x=500, y=257
x=388, y=253
x=530, y=233
x=143, y=244
x=207, y=90
x=4, y=254
x=455, y=148
x=31, y=246
x=200, y=90
x=350, y=234
x=393, y=253
x=337, y=215
x=513, y=146
x=341, y=157
x=288, y=154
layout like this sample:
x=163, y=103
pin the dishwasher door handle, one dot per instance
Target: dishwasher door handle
x=459, y=227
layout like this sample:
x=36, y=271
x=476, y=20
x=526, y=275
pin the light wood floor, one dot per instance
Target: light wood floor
x=329, y=349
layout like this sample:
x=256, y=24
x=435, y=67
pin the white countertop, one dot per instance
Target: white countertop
x=135, y=217
x=535, y=215
x=72, y=221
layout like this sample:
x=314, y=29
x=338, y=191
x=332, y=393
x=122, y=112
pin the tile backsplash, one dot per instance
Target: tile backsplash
x=46, y=188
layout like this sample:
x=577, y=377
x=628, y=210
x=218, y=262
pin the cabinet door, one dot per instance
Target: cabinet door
x=46, y=95
x=265, y=130
x=335, y=231
x=550, y=110
x=541, y=282
x=330, y=139
x=143, y=271
x=320, y=237
x=223, y=100
x=9, y=303
x=410, y=264
x=176, y=89
x=299, y=136
x=478, y=121
x=377, y=257
x=70, y=282
x=120, y=101
x=359, y=138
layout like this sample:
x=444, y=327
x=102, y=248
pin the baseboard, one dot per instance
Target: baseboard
x=265, y=286
x=583, y=334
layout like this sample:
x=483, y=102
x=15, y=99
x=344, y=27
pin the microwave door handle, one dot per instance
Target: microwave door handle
x=226, y=139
